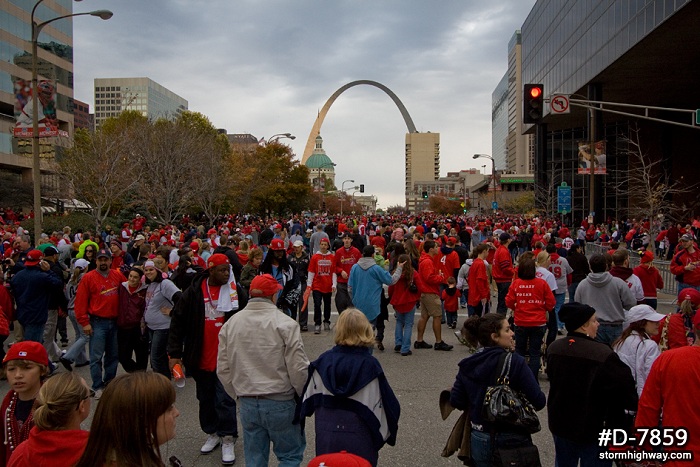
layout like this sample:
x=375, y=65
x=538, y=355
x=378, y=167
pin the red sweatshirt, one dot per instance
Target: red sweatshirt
x=430, y=277
x=322, y=275
x=478, y=282
x=402, y=299
x=681, y=259
x=48, y=447
x=344, y=260
x=663, y=400
x=98, y=295
x=451, y=300
x=650, y=279
x=530, y=301
x=502, y=269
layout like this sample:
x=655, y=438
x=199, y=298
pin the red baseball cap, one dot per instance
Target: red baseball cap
x=647, y=257
x=33, y=258
x=27, y=350
x=689, y=294
x=217, y=259
x=194, y=246
x=264, y=285
x=277, y=244
x=339, y=459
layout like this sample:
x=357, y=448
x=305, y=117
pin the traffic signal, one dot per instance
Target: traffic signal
x=425, y=195
x=533, y=103
x=323, y=205
x=362, y=188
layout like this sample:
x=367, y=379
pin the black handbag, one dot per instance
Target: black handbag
x=525, y=456
x=506, y=407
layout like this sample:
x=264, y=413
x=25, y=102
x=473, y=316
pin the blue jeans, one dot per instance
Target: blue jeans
x=568, y=453
x=326, y=299
x=159, y=351
x=529, y=339
x=404, y=328
x=33, y=332
x=103, y=345
x=264, y=421
x=502, y=292
x=561, y=298
x=76, y=353
x=683, y=285
x=482, y=452
x=607, y=333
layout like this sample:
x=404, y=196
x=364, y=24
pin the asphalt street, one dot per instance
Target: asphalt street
x=417, y=381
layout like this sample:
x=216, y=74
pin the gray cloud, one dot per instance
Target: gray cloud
x=267, y=67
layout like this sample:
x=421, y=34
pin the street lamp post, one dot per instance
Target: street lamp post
x=493, y=173
x=36, y=160
x=320, y=192
x=342, y=190
x=281, y=135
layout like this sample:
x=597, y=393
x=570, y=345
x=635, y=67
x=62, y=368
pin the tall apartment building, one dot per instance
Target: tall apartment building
x=422, y=164
x=115, y=95
x=511, y=149
x=55, y=63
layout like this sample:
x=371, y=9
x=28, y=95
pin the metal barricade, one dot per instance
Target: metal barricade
x=664, y=267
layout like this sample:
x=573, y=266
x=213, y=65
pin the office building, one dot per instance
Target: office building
x=115, y=95
x=55, y=63
x=422, y=164
x=511, y=149
x=622, y=52
x=82, y=118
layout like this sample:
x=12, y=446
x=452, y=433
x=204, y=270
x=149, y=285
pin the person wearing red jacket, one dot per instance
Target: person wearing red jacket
x=96, y=309
x=664, y=403
x=650, y=278
x=686, y=264
x=404, y=296
x=502, y=271
x=531, y=299
x=322, y=282
x=677, y=330
x=345, y=258
x=430, y=307
x=479, y=289
x=450, y=299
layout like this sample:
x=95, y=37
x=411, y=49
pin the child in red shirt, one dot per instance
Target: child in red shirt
x=450, y=297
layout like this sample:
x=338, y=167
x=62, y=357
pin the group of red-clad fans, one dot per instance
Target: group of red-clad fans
x=530, y=264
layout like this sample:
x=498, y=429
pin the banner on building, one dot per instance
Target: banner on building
x=48, y=122
x=595, y=158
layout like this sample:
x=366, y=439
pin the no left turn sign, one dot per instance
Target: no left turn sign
x=559, y=104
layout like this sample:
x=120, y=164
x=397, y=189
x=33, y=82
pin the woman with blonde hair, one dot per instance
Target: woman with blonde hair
x=346, y=389
x=56, y=439
x=147, y=400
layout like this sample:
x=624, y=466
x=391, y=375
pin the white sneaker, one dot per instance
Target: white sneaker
x=210, y=444
x=98, y=394
x=228, y=457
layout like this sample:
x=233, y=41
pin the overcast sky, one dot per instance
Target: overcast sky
x=268, y=66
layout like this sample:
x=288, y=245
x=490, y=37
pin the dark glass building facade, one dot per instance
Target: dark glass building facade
x=637, y=52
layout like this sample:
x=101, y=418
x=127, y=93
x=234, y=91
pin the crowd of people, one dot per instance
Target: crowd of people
x=187, y=295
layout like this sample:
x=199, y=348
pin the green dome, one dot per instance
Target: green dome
x=319, y=161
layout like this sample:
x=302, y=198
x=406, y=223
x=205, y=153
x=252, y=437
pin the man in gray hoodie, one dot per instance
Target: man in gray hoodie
x=609, y=296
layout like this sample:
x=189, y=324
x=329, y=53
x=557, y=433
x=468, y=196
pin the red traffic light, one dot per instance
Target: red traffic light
x=535, y=92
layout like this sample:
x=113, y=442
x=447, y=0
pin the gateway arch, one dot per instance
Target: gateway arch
x=316, y=130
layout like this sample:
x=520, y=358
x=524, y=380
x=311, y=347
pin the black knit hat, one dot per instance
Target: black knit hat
x=574, y=315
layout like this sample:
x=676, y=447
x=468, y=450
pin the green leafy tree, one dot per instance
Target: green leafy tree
x=103, y=168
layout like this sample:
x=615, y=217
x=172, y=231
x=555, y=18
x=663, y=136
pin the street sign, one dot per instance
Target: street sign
x=563, y=198
x=559, y=104
x=494, y=205
x=697, y=117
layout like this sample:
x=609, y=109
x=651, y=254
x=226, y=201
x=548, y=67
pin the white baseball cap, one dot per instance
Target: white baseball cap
x=640, y=312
